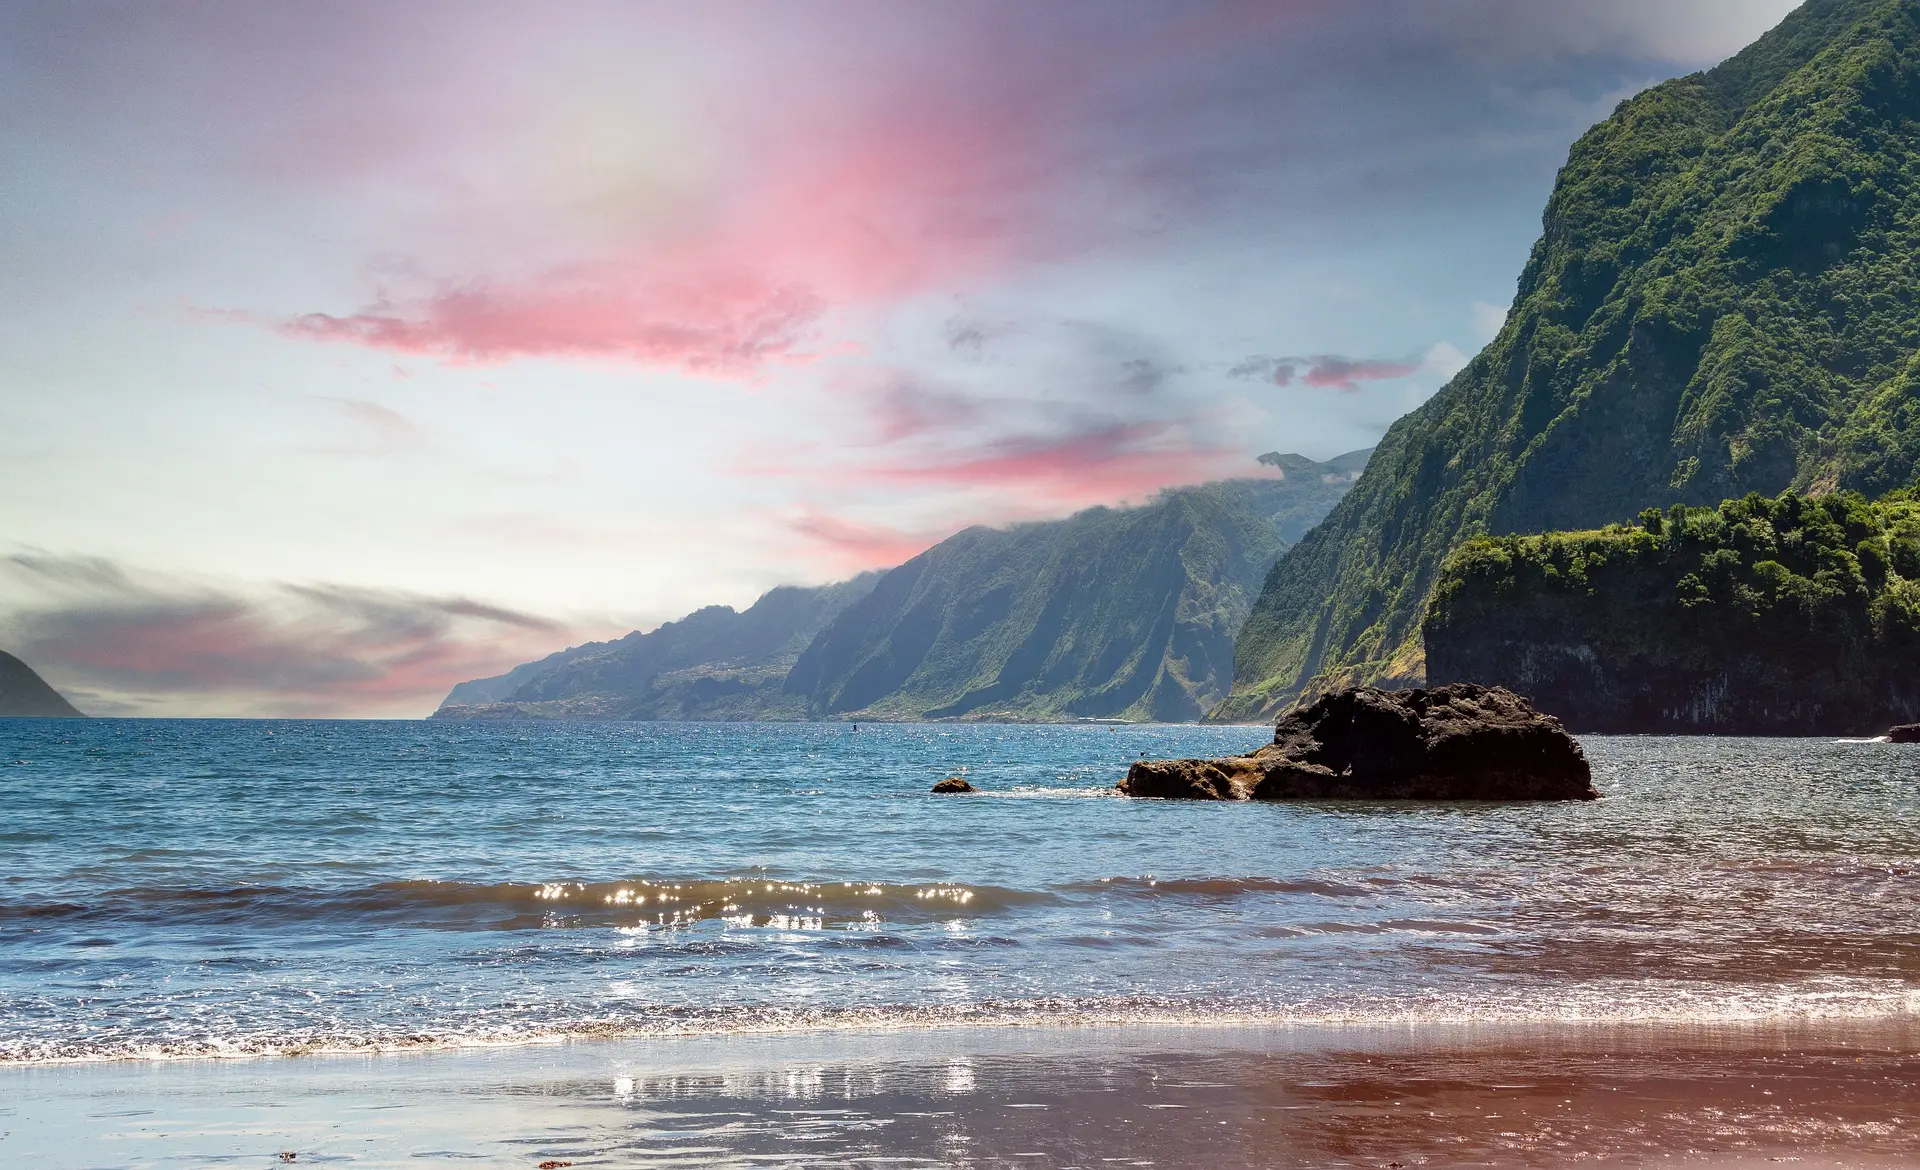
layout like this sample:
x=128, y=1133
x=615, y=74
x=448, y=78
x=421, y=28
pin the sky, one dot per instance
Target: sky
x=356, y=349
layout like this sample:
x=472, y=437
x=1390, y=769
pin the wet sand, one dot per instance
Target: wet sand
x=1826, y=1094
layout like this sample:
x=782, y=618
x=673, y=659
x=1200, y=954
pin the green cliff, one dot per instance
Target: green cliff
x=25, y=695
x=1724, y=299
x=1112, y=613
x=1762, y=616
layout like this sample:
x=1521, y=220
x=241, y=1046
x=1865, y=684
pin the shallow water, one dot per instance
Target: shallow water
x=1706, y=1097
x=200, y=887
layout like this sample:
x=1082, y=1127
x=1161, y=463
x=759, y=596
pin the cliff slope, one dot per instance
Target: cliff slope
x=1723, y=300
x=714, y=663
x=1112, y=613
x=25, y=695
x=1791, y=616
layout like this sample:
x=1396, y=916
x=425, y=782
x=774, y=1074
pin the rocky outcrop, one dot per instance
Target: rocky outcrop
x=1905, y=733
x=1458, y=742
x=953, y=786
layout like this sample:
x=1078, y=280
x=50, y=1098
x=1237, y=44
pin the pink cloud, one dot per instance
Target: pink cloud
x=710, y=324
x=795, y=190
x=1108, y=462
x=1346, y=374
x=1326, y=371
x=1011, y=479
x=851, y=545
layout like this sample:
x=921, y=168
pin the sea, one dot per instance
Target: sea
x=187, y=888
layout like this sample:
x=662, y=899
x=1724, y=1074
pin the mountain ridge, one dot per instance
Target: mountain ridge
x=1035, y=621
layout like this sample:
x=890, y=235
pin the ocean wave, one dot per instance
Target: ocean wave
x=511, y=905
x=1599, y=1003
x=1218, y=888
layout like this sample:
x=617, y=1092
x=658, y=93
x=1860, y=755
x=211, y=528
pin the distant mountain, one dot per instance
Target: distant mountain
x=25, y=695
x=712, y=664
x=1723, y=301
x=1112, y=613
x=1115, y=612
x=501, y=686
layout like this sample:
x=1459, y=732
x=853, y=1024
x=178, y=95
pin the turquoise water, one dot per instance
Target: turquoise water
x=193, y=887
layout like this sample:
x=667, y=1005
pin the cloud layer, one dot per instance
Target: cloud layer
x=121, y=642
x=629, y=306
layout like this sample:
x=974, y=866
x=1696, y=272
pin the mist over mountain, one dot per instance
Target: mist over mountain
x=1723, y=301
x=1111, y=613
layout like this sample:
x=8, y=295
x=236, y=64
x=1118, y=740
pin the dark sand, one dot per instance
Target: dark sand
x=1807, y=1095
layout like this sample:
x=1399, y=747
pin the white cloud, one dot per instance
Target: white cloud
x=1487, y=321
x=1444, y=359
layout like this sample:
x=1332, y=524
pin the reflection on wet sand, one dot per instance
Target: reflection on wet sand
x=1828, y=1094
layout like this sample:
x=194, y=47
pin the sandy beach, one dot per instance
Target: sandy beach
x=1812, y=1094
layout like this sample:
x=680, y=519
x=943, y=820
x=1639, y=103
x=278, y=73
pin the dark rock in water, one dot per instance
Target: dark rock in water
x=25, y=695
x=1189, y=779
x=954, y=784
x=1905, y=733
x=1457, y=742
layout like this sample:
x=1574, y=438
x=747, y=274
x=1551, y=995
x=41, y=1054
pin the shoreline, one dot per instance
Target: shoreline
x=855, y=1023
x=1823, y=1093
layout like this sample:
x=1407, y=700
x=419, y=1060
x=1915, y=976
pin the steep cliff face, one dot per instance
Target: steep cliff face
x=1763, y=617
x=25, y=695
x=1723, y=301
x=1123, y=613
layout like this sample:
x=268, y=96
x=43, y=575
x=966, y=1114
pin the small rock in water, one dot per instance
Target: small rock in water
x=1457, y=742
x=1905, y=733
x=954, y=784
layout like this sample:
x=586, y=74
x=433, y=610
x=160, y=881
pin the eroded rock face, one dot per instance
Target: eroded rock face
x=1457, y=742
x=1905, y=733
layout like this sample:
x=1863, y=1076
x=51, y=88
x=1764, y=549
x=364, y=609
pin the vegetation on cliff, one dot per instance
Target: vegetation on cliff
x=1724, y=300
x=1788, y=615
x=1114, y=613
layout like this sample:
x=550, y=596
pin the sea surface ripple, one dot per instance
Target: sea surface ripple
x=209, y=887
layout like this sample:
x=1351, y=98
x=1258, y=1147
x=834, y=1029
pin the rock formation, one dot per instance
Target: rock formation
x=1458, y=742
x=1905, y=733
x=953, y=785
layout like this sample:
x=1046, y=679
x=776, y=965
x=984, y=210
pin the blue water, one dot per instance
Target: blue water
x=193, y=887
